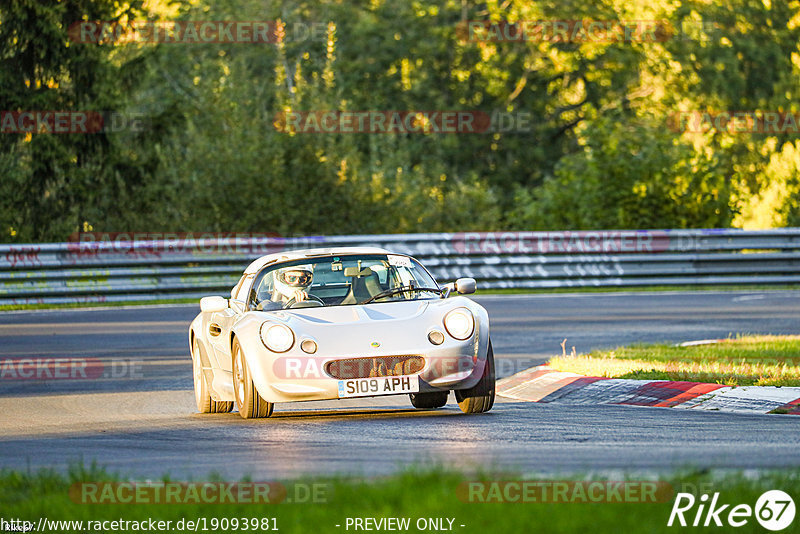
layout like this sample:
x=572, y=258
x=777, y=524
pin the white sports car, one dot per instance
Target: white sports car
x=337, y=323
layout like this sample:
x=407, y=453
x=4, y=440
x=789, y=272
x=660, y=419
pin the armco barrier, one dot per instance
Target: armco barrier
x=129, y=267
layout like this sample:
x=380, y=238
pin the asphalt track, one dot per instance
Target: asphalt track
x=138, y=417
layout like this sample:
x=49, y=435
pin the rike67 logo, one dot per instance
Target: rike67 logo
x=774, y=510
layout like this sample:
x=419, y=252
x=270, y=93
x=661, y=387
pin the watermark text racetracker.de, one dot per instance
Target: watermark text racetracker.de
x=217, y=492
x=403, y=122
x=308, y=367
x=567, y=242
x=588, y=31
x=197, y=32
x=564, y=491
x=159, y=244
x=735, y=122
x=57, y=368
x=566, y=31
x=71, y=122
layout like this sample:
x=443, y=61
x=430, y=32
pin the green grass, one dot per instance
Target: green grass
x=740, y=361
x=413, y=494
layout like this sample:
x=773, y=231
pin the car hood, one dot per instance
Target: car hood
x=386, y=311
x=392, y=326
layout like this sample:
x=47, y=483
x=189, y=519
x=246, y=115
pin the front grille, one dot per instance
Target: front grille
x=375, y=367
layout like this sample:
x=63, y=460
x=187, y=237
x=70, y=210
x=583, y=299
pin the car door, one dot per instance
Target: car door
x=221, y=323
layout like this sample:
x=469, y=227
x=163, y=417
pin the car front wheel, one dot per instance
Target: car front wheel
x=202, y=395
x=480, y=397
x=248, y=401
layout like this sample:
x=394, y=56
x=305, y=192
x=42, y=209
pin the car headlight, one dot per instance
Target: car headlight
x=435, y=337
x=309, y=346
x=459, y=323
x=277, y=337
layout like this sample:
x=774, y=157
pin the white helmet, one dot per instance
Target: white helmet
x=291, y=279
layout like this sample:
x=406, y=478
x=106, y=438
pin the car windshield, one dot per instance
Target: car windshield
x=341, y=281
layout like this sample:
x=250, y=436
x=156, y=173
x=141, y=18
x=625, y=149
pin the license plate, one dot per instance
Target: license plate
x=367, y=387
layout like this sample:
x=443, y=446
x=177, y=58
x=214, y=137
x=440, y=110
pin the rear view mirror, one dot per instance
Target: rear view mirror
x=213, y=304
x=465, y=286
x=351, y=272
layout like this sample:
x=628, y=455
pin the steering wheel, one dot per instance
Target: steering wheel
x=312, y=301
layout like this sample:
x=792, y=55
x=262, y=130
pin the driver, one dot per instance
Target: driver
x=292, y=283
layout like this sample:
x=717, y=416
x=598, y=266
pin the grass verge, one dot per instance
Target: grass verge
x=413, y=494
x=740, y=361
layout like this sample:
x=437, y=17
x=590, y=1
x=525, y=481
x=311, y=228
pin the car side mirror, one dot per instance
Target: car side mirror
x=465, y=286
x=213, y=304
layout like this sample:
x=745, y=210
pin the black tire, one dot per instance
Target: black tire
x=480, y=397
x=202, y=394
x=248, y=401
x=433, y=399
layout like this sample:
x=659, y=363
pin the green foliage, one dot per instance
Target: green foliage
x=629, y=176
x=53, y=182
x=479, y=501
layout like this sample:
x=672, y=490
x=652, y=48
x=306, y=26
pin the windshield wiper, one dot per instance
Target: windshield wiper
x=397, y=291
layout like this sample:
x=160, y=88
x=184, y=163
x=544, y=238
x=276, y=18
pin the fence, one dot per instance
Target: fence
x=131, y=267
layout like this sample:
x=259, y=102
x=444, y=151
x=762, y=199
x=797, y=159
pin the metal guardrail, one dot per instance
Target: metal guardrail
x=127, y=267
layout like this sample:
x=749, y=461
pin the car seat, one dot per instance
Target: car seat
x=364, y=284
